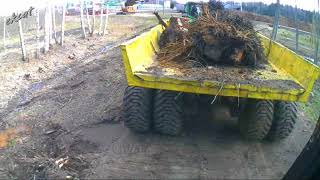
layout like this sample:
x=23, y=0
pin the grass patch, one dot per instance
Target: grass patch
x=312, y=107
x=288, y=39
x=70, y=26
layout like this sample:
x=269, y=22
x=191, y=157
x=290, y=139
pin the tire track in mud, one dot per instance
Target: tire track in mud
x=255, y=169
x=124, y=146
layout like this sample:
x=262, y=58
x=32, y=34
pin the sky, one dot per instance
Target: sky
x=10, y=6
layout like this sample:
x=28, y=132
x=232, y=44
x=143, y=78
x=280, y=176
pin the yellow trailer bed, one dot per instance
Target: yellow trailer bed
x=286, y=77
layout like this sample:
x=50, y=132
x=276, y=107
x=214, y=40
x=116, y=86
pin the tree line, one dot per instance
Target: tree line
x=299, y=18
x=49, y=31
x=286, y=10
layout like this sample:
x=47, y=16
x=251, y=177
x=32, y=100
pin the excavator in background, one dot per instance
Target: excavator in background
x=128, y=7
x=192, y=10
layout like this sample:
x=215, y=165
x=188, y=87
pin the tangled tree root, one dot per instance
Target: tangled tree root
x=216, y=37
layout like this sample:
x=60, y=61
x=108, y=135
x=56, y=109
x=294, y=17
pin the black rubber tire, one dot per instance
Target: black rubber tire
x=137, y=108
x=256, y=119
x=167, y=112
x=285, y=117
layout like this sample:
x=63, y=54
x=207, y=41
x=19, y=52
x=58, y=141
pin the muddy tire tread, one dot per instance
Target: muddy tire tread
x=256, y=120
x=285, y=117
x=167, y=113
x=137, y=108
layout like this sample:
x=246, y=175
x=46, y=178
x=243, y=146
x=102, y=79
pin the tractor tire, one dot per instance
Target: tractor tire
x=256, y=119
x=167, y=112
x=285, y=117
x=137, y=108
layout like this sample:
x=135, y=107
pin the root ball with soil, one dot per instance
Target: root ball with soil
x=217, y=36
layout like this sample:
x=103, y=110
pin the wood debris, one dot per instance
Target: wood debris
x=216, y=37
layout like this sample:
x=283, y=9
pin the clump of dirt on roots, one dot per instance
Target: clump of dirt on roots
x=217, y=36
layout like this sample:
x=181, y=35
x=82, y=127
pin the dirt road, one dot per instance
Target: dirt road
x=70, y=125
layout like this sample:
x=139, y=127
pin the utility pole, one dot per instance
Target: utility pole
x=297, y=26
x=163, y=7
x=276, y=22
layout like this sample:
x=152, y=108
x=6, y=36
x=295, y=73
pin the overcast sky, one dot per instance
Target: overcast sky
x=10, y=6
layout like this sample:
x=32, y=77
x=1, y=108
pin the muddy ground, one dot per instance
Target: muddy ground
x=69, y=124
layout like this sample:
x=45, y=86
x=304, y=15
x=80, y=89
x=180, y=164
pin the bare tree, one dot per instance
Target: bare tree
x=4, y=33
x=38, y=34
x=46, y=29
x=23, y=47
x=93, y=18
x=87, y=15
x=62, y=24
x=54, y=23
x=106, y=21
x=163, y=7
x=101, y=16
x=81, y=19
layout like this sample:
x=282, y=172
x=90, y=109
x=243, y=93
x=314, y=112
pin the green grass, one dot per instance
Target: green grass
x=71, y=25
x=312, y=107
x=288, y=39
x=305, y=40
x=12, y=143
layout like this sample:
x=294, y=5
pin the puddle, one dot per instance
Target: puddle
x=36, y=86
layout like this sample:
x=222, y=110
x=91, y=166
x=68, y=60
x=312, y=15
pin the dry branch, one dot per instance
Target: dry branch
x=161, y=21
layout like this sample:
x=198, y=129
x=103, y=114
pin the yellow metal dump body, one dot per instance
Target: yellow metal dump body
x=139, y=54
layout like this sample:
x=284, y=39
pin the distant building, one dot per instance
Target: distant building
x=232, y=5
